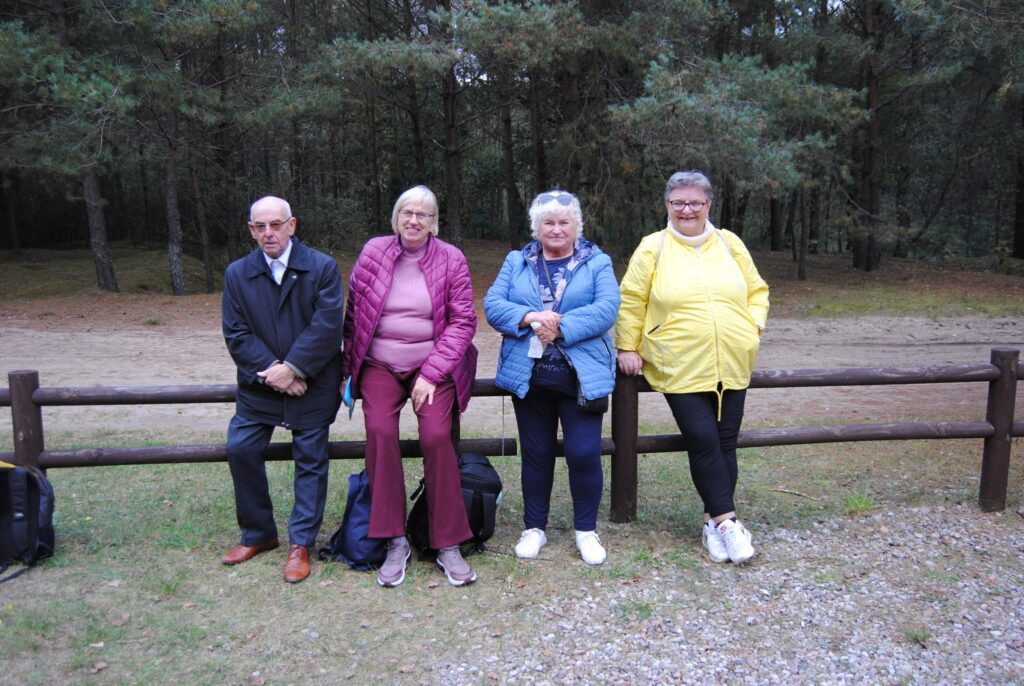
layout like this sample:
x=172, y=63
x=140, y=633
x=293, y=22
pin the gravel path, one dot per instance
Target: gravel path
x=928, y=595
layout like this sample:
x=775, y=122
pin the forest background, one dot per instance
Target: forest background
x=865, y=127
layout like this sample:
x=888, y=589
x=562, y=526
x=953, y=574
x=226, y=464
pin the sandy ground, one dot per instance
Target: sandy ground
x=111, y=348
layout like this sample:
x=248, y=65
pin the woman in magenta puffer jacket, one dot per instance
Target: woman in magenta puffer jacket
x=409, y=325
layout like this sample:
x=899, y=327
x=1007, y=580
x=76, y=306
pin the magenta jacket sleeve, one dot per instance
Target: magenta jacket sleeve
x=451, y=290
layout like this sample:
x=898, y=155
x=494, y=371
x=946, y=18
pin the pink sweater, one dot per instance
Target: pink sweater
x=405, y=332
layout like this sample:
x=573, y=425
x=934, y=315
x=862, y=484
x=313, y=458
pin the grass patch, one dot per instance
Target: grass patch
x=137, y=572
x=858, y=503
x=917, y=635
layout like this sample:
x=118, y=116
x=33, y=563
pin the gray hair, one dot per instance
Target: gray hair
x=417, y=195
x=689, y=179
x=544, y=205
x=271, y=198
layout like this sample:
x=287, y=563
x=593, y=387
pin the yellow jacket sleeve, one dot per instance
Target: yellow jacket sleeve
x=636, y=291
x=757, y=288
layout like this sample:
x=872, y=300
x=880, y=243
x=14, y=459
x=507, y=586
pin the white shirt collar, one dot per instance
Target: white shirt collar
x=282, y=258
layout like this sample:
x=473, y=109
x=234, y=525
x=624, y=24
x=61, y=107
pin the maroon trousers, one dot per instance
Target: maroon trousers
x=384, y=393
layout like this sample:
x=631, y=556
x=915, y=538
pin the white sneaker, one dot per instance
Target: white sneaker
x=530, y=543
x=591, y=550
x=714, y=543
x=737, y=541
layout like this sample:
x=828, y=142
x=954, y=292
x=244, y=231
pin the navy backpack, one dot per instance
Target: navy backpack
x=26, y=517
x=350, y=543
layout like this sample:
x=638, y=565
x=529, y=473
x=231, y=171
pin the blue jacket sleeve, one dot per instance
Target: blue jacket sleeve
x=501, y=311
x=596, y=318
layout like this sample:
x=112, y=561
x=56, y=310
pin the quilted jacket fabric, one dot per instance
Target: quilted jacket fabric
x=451, y=295
x=589, y=305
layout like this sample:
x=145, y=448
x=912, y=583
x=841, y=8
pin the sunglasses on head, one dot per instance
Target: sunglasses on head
x=561, y=198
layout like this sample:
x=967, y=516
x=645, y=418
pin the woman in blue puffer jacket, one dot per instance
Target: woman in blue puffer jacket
x=554, y=302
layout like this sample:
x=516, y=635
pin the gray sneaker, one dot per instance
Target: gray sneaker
x=457, y=570
x=392, y=572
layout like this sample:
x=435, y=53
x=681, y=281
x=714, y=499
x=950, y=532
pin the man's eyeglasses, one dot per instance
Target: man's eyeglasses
x=695, y=205
x=561, y=198
x=274, y=225
x=409, y=214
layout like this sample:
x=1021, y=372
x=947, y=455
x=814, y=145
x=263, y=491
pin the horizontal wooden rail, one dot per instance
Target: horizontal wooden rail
x=337, y=450
x=167, y=395
x=26, y=399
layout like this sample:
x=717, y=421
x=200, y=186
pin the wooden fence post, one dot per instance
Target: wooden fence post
x=26, y=417
x=625, y=409
x=995, y=460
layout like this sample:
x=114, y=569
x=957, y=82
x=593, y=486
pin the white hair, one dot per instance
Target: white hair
x=552, y=202
x=417, y=195
x=271, y=198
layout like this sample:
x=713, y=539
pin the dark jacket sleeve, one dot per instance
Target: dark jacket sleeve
x=319, y=342
x=250, y=353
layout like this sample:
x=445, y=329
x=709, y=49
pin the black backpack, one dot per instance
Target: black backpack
x=26, y=517
x=481, y=492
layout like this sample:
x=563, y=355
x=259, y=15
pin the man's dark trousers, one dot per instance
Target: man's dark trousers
x=247, y=443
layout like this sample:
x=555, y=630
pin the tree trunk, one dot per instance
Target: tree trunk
x=571, y=111
x=10, y=192
x=741, y=214
x=173, y=213
x=775, y=223
x=790, y=232
x=540, y=164
x=376, y=198
x=452, y=158
x=871, y=253
x=1018, y=219
x=805, y=235
x=516, y=235
x=419, y=154
x=725, y=204
x=204, y=232
x=105, y=278
x=142, y=230
x=814, y=215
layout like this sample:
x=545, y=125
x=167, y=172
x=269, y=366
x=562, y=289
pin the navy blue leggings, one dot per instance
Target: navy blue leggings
x=711, y=443
x=537, y=417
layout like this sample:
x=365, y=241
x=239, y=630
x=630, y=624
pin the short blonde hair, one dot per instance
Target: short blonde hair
x=417, y=195
x=545, y=204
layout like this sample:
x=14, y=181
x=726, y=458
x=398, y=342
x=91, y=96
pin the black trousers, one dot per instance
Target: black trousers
x=711, y=443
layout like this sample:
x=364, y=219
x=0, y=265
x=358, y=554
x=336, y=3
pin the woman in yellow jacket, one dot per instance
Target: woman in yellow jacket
x=693, y=309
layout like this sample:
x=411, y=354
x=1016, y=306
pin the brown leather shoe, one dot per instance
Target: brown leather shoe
x=241, y=553
x=297, y=568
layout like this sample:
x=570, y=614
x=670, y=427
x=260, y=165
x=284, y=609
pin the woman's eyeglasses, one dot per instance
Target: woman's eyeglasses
x=561, y=198
x=409, y=214
x=695, y=205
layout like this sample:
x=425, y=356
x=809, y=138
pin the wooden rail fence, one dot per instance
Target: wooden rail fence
x=26, y=399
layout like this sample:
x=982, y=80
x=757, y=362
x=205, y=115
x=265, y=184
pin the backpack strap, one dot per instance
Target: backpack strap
x=17, y=480
x=12, y=575
x=490, y=506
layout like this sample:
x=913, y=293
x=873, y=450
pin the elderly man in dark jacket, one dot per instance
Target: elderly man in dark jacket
x=282, y=311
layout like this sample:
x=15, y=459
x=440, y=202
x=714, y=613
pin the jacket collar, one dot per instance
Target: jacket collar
x=584, y=251
x=394, y=248
x=299, y=260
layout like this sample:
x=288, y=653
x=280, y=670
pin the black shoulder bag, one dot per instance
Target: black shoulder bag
x=592, y=405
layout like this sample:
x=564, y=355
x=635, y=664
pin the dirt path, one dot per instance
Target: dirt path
x=162, y=340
